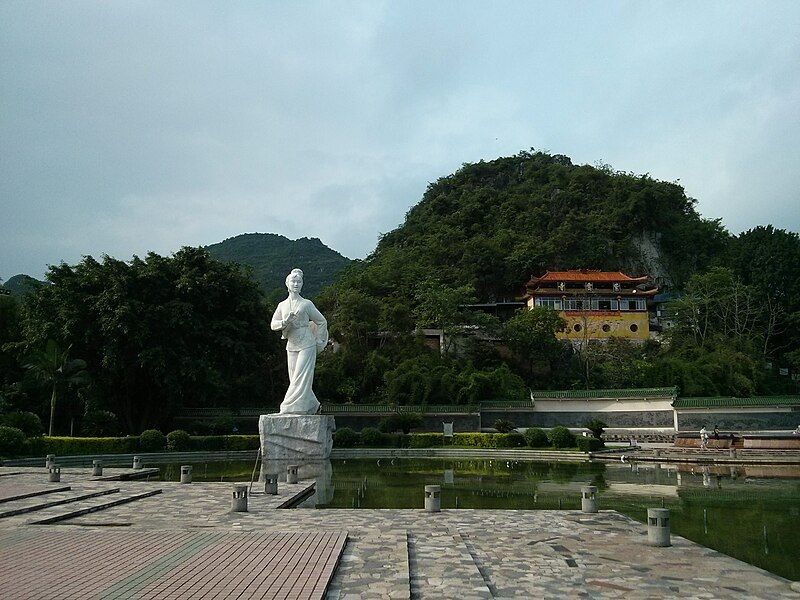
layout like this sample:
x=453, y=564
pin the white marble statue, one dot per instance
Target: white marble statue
x=306, y=333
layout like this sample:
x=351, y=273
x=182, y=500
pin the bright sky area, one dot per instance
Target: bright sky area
x=127, y=127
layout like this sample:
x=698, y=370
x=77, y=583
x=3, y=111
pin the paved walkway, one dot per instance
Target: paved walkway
x=412, y=554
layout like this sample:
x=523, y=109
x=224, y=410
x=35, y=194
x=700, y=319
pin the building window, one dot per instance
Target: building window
x=554, y=303
x=577, y=327
x=606, y=327
x=634, y=327
x=632, y=304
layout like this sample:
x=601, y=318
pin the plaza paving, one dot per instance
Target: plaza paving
x=385, y=553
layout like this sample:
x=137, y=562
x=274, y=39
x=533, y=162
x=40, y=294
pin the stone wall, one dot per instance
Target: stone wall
x=738, y=421
x=430, y=422
x=622, y=419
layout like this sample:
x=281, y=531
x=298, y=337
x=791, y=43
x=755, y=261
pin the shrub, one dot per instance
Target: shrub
x=29, y=423
x=509, y=440
x=240, y=442
x=179, y=441
x=222, y=426
x=152, y=440
x=100, y=423
x=425, y=440
x=371, y=437
x=536, y=438
x=588, y=444
x=596, y=426
x=208, y=443
x=345, y=438
x=12, y=440
x=561, y=437
x=475, y=440
x=404, y=422
x=503, y=426
x=199, y=428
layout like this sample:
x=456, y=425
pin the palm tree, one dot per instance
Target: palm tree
x=54, y=367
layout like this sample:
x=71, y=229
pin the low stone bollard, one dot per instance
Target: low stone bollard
x=291, y=473
x=97, y=467
x=137, y=462
x=656, y=453
x=186, y=473
x=433, y=498
x=239, y=498
x=55, y=473
x=732, y=452
x=49, y=461
x=589, y=499
x=271, y=484
x=658, y=527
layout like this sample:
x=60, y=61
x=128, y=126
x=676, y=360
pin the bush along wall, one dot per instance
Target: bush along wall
x=82, y=446
x=372, y=438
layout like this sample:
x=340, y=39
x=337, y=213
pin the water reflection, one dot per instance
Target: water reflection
x=751, y=512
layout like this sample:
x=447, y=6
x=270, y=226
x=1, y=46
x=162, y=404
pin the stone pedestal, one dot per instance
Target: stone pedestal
x=296, y=437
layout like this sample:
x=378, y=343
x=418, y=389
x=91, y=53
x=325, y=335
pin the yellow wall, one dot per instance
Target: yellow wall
x=619, y=324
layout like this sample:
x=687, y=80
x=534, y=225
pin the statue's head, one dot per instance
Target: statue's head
x=294, y=281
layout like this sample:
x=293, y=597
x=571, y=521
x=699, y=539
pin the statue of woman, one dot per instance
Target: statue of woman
x=306, y=333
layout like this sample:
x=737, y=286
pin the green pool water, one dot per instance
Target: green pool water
x=750, y=513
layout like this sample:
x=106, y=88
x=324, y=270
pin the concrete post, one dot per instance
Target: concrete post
x=589, y=499
x=291, y=474
x=49, y=461
x=656, y=453
x=97, y=467
x=271, y=483
x=732, y=452
x=239, y=498
x=658, y=527
x=433, y=498
x=186, y=473
x=55, y=473
x=137, y=462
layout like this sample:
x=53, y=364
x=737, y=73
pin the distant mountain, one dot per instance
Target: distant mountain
x=272, y=256
x=21, y=284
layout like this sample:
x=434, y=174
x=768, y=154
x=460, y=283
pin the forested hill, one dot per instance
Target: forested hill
x=272, y=256
x=21, y=284
x=491, y=225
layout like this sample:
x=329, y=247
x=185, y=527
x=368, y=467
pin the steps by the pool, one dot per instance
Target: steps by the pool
x=34, y=504
x=130, y=474
x=90, y=507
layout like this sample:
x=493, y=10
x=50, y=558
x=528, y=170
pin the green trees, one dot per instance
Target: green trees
x=161, y=333
x=531, y=335
x=53, y=367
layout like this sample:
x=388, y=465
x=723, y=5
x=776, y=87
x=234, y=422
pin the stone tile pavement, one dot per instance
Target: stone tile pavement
x=452, y=554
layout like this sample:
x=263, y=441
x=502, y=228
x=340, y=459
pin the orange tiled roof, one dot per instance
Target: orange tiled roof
x=589, y=275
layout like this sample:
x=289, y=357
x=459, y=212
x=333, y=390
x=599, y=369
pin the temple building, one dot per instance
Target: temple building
x=596, y=305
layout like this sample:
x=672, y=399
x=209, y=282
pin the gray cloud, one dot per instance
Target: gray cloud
x=128, y=127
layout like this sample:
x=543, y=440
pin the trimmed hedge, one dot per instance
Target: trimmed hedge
x=589, y=444
x=12, y=440
x=152, y=440
x=82, y=446
x=371, y=438
x=536, y=437
x=561, y=437
x=79, y=446
x=179, y=441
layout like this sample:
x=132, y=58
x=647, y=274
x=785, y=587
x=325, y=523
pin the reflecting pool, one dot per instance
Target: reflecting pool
x=749, y=512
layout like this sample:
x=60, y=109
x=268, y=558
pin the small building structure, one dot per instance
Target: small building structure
x=596, y=305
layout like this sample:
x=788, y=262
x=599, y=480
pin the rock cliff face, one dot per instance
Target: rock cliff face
x=650, y=258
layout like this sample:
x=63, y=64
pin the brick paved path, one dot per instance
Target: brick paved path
x=79, y=564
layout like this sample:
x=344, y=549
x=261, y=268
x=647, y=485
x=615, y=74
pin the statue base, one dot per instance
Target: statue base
x=296, y=437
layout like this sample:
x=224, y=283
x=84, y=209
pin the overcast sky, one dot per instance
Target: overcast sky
x=134, y=126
